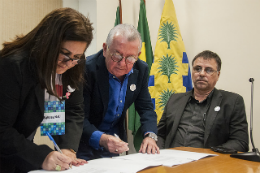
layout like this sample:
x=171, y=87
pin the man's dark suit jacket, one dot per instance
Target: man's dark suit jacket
x=96, y=97
x=226, y=127
x=22, y=111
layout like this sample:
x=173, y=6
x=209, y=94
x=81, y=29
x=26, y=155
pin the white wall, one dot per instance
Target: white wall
x=87, y=8
x=227, y=27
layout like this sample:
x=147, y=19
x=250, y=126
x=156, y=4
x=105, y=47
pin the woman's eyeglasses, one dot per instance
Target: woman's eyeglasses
x=67, y=58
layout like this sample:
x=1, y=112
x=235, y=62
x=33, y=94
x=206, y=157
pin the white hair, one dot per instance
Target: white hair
x=126, y=30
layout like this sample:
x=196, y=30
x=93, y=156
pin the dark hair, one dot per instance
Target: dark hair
x=44, y=45
x=207, y=54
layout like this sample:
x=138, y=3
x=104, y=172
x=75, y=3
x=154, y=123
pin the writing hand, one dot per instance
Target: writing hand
x=55, y=158
x=113, y=144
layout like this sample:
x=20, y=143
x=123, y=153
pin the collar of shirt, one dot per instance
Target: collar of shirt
x=207, y=99
x=113, y=76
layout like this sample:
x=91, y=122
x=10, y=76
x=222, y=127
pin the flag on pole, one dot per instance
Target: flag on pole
x=170, y=72
x=147, y=56
x=118, y=14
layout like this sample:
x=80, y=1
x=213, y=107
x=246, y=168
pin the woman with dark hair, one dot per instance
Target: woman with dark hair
x=41, y=82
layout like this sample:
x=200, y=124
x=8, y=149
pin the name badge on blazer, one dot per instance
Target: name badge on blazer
x=217, y=108
x=132, y=87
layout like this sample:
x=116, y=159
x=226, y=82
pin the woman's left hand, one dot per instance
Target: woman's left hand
x=72, y=155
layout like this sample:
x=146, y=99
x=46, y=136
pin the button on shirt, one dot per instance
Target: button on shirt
x=190, y=132
x=116, y=103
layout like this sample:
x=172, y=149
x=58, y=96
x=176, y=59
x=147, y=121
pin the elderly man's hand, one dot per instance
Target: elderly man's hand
x=113, y=144
x=149, y=145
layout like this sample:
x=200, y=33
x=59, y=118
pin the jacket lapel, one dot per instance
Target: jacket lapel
x=132, y=79
x=211, y=115
x=180, y=106
x=103, y=82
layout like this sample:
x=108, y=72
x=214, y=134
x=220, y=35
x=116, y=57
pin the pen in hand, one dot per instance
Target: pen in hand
x=55, y=145
x=125, y=145
x=117, y=136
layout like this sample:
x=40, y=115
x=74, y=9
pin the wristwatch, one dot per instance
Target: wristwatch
x=151, y=135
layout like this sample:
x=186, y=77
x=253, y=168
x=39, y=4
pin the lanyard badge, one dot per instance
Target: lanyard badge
x=54, y=112
x=54, y=118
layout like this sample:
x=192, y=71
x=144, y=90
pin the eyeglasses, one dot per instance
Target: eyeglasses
x=116, y=57
x=207, y=70
x=77, y=59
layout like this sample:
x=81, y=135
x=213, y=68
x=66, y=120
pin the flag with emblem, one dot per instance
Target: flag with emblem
x=147, y=56
x=170, y=72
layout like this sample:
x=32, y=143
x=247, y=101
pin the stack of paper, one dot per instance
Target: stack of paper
x=135, y=162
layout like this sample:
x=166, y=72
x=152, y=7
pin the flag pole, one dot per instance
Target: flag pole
x=120, y=11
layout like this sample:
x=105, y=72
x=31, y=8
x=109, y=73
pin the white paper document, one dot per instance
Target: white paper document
x=167, y=157
x=107, y=165
x=135, y=162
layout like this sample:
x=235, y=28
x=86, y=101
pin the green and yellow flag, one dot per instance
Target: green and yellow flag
x=147, y=56
x=170, y=72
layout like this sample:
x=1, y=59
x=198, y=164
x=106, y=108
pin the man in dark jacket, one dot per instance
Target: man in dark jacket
x=204, y=117
x=115, y=79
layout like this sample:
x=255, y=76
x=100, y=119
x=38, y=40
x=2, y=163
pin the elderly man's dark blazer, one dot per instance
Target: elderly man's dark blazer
x=226, y=127
x=22, y=111
x=96, y=97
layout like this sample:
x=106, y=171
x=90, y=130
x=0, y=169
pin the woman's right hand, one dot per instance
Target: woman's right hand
x=55, y=158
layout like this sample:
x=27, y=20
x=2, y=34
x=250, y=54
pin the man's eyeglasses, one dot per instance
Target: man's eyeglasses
x=77, y=59
x=116, y=57
x=207, y=70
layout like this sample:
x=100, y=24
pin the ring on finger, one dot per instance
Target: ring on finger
x=58, y=168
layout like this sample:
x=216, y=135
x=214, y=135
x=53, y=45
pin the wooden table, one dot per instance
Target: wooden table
x=222, y=163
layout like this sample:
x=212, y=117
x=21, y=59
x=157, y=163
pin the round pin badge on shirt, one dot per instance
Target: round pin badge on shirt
x=217, y=108
x=132, y=87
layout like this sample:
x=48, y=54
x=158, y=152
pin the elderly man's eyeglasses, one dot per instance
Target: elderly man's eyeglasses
x=116, y=57
x=207, y=70
x=66, y=58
